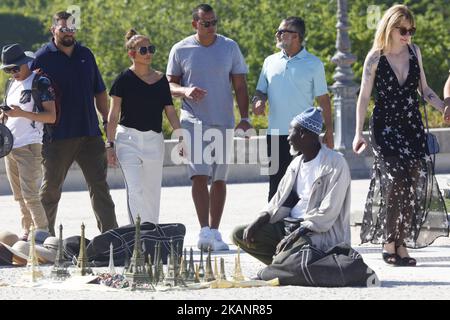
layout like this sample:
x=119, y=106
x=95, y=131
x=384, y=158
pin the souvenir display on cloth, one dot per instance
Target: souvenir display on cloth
x=82, y=262
x=33, y=270
x=59, y=271
x=142, y=272
x=137, y=272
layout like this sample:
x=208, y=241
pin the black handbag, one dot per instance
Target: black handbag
x=432, y=141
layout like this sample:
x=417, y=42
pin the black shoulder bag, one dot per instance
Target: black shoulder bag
x=6, y=137
x=432, y=141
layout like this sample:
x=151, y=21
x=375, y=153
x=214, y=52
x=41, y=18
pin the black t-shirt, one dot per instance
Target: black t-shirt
x=142, y=103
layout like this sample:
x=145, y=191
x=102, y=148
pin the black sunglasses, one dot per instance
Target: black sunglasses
x=14, y=69
x=281, y=31
x=150, y=49
x=403, y=31
x=67, y=30
x=207, y=24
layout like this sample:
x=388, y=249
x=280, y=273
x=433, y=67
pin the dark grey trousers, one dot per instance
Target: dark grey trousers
x=90, y=154
x=265, y=243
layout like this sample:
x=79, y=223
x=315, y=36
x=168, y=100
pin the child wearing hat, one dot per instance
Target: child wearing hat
x=23, y=164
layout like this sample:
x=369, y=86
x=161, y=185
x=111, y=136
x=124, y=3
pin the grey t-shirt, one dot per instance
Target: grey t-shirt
x=209, y=68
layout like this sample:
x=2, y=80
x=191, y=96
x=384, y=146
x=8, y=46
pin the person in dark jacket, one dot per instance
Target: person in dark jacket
x=77, y=136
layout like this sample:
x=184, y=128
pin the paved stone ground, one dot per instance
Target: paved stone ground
x=429, y=280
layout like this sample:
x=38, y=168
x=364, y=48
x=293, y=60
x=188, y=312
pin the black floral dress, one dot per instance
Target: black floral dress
x=404, y=203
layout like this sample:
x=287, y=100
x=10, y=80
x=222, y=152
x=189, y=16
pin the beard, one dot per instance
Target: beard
x=293, y=152
x=280, y=45
x=283, y=45
x=68, y=41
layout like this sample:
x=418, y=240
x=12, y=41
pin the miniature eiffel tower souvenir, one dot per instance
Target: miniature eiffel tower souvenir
x=59, y=271
x=158, y=275
x=150, y=268
x=222, y=275
x=82, y=262
x=191, y=269
x=162, y=275
x=201, y=269
x=173, y=274
x=183, y=267
x=221, y=282
x=149, y=285
x=183, y=274
x=197, y=275
x=111, y=268
x=216, y=269
x=169, y=266
x=126, y=260
x=136, y=272
x=209, y=276
x=178, y=254
x=238, y=276
x=33, y=270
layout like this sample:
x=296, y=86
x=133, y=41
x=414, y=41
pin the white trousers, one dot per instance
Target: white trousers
x=140, y=155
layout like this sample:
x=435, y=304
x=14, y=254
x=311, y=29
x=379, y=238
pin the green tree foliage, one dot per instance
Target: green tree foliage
x=28, y=31
x=252, y=23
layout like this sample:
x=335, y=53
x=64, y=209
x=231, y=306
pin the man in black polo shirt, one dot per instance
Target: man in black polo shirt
x=77, y=136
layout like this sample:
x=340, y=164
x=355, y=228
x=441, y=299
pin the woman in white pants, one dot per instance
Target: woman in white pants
x=135, y=140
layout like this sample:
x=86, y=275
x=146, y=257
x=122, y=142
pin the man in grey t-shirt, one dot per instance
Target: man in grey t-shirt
x=202, y=70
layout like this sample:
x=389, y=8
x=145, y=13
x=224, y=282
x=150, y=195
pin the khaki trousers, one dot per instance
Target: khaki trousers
x=23, y=168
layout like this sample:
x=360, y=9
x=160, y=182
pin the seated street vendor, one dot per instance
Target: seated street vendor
x=312, y=203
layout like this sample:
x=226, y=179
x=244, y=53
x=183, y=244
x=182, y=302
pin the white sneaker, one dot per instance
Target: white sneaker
x=217, y=243
x=205, y=238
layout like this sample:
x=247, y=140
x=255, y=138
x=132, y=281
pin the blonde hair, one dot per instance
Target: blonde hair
x=132, y=38
x=392, y=18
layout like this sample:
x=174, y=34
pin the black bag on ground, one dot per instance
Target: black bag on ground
x=123, y=241
x=340, y=266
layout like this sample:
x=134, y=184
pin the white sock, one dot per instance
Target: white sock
x=205, y=229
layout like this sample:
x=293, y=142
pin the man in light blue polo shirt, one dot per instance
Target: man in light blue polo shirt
x=290, y=80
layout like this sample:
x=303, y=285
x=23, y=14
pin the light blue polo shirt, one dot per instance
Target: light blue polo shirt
x=291, y=85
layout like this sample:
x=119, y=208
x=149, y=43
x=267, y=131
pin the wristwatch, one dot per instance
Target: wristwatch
x=246, y=119
x=109, y=144
x=254, y=99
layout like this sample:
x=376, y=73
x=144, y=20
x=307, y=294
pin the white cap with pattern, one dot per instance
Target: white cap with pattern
x=311, y=119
